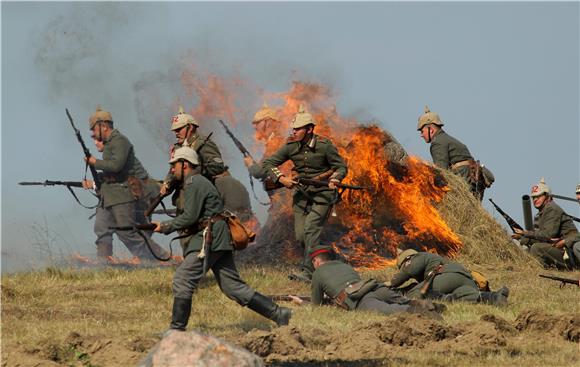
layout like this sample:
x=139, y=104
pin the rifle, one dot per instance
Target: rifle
x=285, y=298
x=159, y=198
x=268, y=185
x=563, y=281
x=321, y=183
x=511, y=222
x=85, y=150
x=52, y=183
x=564, y=198
x=170, y=211
x=142, y=227
x=514, y=225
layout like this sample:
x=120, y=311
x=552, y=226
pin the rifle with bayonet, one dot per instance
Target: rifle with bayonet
x=159, y=198
x=142, y=227
x=94, y=173
x=52, y=183
x=563, y=281
x=514, y=226
x=267, y=182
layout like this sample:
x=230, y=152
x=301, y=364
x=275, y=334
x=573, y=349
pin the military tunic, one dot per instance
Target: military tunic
x=552, y=222
x=232, y=191
x=447, y=151
x=453, y=279
x=312, y=205
x=334, y=276
x=119, y=207
x=202, y=200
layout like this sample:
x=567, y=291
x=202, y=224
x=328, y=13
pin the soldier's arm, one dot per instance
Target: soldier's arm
x=270, y=164
x=336, y=162
x=119, y=151
x=440, y=154
x=399, y=278
x=257, y=171
x=317, y=294
x=213, y=163
x=191, y=211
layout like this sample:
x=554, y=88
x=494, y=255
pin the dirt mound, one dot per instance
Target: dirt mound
x=567, y=326
x=400, y=334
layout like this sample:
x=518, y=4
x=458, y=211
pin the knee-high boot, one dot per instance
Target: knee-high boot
x=270, y=310
x=180, y=314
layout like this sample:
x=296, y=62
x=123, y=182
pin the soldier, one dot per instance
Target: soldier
x=449, y=153
x=208, y=247
x=442, y=279
x=578, y=193
x=343, y=285
x=234, y=194
x=124, y=181
x=314, y=157
x=267, y=127
x=556, y=231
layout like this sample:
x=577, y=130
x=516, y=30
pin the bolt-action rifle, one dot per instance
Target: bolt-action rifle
x=267, y=182
x=286, y=298
x=514, y=225
x=159, y=198
x=563, y=281
x=322, y=183
x=52, y=183
x=142, y=227
x=94, y=173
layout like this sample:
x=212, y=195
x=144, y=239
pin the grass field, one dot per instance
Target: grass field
x=111, y=317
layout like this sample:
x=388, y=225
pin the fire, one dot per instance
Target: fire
x=397, y=212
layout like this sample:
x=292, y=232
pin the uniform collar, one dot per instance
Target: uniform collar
x=311, y=143
x=114, y=133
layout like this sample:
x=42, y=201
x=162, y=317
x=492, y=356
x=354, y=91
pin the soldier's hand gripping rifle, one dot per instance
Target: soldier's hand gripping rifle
x=516, y=228
x=322, y=183
x=246, y=153
x=159, y=198
x=563, y=281
x=94, y=173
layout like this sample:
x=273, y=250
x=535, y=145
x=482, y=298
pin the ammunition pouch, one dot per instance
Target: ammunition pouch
x=349, y=296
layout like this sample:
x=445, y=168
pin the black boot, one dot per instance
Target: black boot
x=270, y=310
x=181, y=312
x=498, y=298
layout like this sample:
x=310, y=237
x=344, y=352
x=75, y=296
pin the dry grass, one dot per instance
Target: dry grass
x=120, y=308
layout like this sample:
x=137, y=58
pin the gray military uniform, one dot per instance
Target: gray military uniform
x=202, y=201
x=447, y=151
x=552, y=222
x=119, y=206
x=333, y=277
x=447, y=278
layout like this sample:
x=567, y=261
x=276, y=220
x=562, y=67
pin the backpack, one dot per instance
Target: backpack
x=480, y=280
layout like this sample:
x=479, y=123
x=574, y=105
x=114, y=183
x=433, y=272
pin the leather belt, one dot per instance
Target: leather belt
x=466, y=162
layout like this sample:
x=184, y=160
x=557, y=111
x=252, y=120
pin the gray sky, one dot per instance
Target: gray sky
x=503, y=76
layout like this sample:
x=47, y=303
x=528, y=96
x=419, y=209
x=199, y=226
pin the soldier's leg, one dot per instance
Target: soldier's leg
x=457, y=286
x=313, y=226
x=125, y=216
x=232, y=285
x=384, y=296
x=576, y=252
x=548, y=254
x=104, y=242
x=185, y=281
x=300, y=211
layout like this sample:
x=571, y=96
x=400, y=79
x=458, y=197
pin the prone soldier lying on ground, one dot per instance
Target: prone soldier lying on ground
x=341, y=284
x=442, y=279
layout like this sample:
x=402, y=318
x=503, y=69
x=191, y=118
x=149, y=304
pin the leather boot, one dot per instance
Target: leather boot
x=270, y=310
x=498, y=298
x=180, y=314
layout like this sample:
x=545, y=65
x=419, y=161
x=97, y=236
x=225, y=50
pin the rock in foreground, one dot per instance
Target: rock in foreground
x=196, y=349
